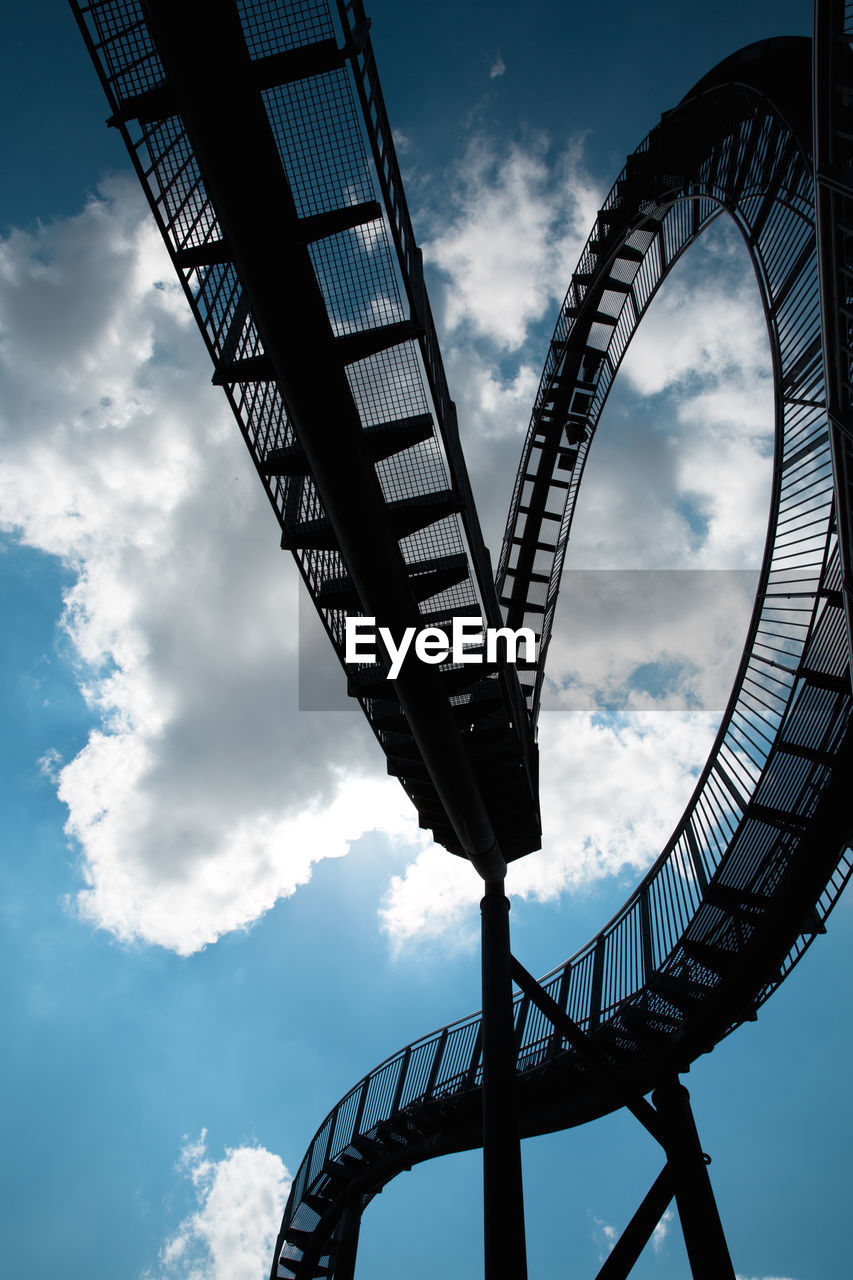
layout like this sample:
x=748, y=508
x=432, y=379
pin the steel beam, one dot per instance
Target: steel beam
x=704, y=1238
x=347, y=1241
x=207, y=64
x=633, y=1240
x=503, y=1200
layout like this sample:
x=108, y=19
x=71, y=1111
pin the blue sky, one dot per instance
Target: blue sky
x=217, y=914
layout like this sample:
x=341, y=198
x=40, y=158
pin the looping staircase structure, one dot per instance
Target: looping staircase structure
x=259, y=134
x=260, y=137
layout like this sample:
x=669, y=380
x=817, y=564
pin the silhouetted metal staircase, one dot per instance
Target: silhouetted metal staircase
x=260, y=137
x=833, y=159
x=762, y=852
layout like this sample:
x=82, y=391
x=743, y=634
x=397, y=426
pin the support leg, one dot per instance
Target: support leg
x=503, y=1204
x=633, y=1240
x=347, y=1240
x=700, y=1220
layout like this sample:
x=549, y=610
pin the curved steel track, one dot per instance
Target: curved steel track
x=259, y=135
x=761, y=853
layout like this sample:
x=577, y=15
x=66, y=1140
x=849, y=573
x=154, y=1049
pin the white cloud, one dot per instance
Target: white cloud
x=679, y=473
x=509, y=227
x=592, y=829
x=432, y=899
x=688, y=336
x=653, y=639
x=661, y=1231
x=606, y=1236
x=203, y=795
x=498, y=68
x=494, y=410
x=231, y=1233
x=740, y=1277
x=691, y=426
x=712, y=350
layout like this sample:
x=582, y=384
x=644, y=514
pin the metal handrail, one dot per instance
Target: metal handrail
x=369, y=289
x=719, y=880
x=754, y=801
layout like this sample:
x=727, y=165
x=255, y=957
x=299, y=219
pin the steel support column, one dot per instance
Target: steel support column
x=503, y=1200
x=347, y=1241
x=633, y=1240
x=700, y=1219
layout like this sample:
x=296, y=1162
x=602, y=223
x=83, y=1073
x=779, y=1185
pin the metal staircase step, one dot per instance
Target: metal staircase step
x=402, y=745
x=316, y=1202
x=388, y=438
x=737, y=902
x=210, y=254
x=641, y=1022
x=709, y=955
x=464, y=679
x=352, y=347
x=408, y=515
x=824, y=680
x=309, y=535
x=431, y=808
x=336, y=1172
x=379, y=442
x=777, y=818
x=368, y=1147
x=530, y=606
x=314, y=59
x=429, y=577
x=442, y=832
x=485, y=696
x=317, y=226
x=249, y=369
x=338, y=593
x=392, y=721
x=298, y=1238
x=680, y=991
x=290, y=460
x=400, y=767
x=803, y=752
x=372, y=682
x=437, y=616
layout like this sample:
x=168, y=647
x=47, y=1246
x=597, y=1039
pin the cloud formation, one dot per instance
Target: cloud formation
x=662, y=563
x=606, y=1235
x=202, y=796
x=511, y=223
x=592, y=829
x=231, y=1233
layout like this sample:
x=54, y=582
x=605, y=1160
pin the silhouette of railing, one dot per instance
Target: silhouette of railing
x=251, y=128
x=833, y=137
x=642, y=985
x=344, y=331
x=761, y=854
